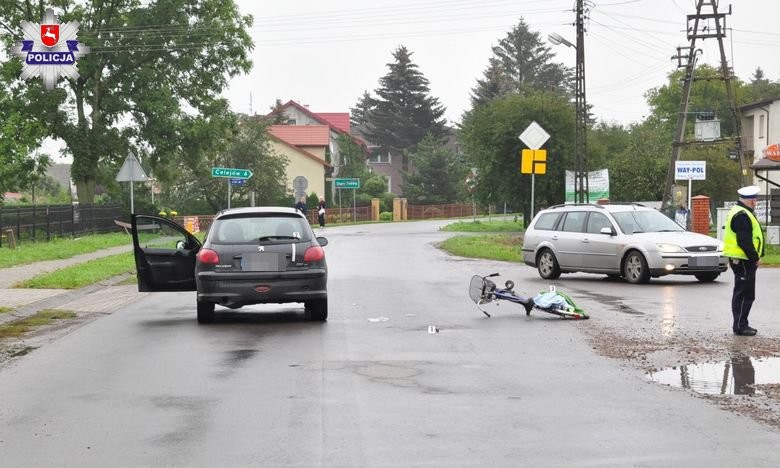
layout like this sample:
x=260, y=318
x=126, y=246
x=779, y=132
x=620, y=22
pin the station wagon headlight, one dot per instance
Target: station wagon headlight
x=670, y=248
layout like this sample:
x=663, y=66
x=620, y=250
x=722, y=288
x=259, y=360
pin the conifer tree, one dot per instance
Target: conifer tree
x=404, y=112
x=521, y=63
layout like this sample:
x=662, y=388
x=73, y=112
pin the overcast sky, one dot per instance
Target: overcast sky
x=325, y=54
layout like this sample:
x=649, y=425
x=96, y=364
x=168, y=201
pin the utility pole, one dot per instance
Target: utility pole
x=581, y=124
x=700, y=26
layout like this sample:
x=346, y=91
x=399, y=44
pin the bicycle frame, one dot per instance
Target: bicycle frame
x=482, y=291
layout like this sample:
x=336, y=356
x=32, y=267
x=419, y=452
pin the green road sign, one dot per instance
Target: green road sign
x=231, y=173
x=346, y=183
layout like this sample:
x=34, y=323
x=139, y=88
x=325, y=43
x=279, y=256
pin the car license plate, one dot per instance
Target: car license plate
x=703, y=261
x=262, y=262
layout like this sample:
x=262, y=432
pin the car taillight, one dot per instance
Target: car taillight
x=208, y=256
x=314, y=254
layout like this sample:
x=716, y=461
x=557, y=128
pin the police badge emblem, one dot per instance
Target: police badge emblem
x=49, y=49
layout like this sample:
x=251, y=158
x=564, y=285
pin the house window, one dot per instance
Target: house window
x=379, y=157
x=389, y=184
x=761, y=126
x=292, y=122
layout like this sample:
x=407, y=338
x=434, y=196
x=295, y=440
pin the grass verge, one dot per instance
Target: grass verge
x=43, y=317
x=60, y=248
x=504, y=247
x=4, y=310
x=83, y=274
x=484, y=226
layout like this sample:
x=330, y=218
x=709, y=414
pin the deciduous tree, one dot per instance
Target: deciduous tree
x=152, y=65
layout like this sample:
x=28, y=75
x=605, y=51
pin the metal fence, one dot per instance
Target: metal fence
x=42, y=223
x=458, y=210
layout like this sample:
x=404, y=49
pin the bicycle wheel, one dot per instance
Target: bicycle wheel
x=480, y=289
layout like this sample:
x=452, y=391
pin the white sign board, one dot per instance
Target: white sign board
x=598, y=186
x=534, y=136
x=690, y=170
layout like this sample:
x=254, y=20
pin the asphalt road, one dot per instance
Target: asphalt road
x=148, y=386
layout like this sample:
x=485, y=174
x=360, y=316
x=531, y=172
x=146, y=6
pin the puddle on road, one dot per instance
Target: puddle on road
x=737, y=376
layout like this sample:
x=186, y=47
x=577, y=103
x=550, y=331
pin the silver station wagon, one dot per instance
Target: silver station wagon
x=631, y=241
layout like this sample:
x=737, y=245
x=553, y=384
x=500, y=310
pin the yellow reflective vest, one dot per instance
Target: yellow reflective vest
x=730, y=247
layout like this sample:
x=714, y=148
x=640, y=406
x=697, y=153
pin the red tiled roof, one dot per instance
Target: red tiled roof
x=302, y=135
x=339, y=120
x=317, y=117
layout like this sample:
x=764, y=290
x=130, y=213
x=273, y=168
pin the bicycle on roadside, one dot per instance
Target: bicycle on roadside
x=483, y=291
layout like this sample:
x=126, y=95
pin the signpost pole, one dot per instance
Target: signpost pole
x=229, y=192
x=340, y=218
x=132, y=206
x=690, y=184
x=533, y=184
x=354, y=208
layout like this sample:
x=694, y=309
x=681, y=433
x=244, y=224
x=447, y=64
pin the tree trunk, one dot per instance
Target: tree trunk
x=85, y=191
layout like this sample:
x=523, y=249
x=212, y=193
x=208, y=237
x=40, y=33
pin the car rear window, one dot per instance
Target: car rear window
x=546, y=221
x=252, y=229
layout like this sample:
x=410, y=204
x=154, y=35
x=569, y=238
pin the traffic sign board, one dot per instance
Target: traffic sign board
x=534, y=136
x=231, y=173
x=346, y=183
x=235, y=181
x=533, y=161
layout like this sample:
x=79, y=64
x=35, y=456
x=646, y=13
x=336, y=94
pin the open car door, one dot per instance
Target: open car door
x=164, y=254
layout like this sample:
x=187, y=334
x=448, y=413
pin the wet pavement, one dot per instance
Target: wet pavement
x=373, y=387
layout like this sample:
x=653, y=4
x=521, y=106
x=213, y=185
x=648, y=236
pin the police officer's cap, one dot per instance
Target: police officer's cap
x=749, y=192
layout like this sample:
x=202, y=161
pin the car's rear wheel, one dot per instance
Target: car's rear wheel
x=317, y=309
x=708, y=277
x=547, y=265
x=635, y=268
x=205, y=312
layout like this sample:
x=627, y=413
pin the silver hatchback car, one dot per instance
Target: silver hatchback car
x=628, y=240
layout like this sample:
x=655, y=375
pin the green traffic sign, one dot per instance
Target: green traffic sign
x=231, y=173
x=346, y=183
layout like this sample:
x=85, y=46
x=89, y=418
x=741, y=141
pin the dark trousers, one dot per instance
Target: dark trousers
x=744, y=291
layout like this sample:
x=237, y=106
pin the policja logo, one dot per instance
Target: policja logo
x=49, y=49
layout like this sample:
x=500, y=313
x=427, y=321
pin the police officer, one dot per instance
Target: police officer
x=744, y=245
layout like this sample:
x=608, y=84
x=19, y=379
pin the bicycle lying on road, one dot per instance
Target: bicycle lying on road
x=482, y=291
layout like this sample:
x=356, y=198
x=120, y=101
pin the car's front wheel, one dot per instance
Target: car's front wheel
x=708, y=277
x=205, y=312
x=635, y=268
x=547, y=265
x=317, y=309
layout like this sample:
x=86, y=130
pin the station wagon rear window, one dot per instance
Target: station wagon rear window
x=546, y=221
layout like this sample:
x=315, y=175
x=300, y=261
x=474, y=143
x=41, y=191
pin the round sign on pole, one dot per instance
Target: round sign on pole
x=471, y=184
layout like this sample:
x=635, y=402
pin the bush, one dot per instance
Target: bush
x=385, y=216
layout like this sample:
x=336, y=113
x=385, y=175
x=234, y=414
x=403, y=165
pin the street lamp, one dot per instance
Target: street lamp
x=557, y=39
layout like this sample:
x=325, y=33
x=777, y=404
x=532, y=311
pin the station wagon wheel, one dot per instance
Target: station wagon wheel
x=635, y=268
x=547, y=265
x=205, y=312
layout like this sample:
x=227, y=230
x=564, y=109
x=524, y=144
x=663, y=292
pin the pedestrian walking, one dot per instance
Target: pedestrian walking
x=321, y=212
x=743, y=244
x=301, y=205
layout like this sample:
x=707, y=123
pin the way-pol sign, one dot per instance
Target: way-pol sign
x=690, y=170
